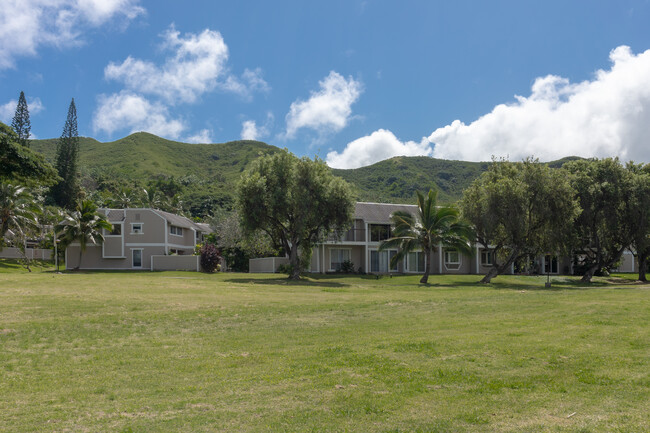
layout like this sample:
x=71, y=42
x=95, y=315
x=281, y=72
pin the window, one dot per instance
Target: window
x=137, y=258
x=116, y=230
x=415, y=262
x=550, y=264
x=452, y=259
x=379, y=232
x=486, y=258
x=175, y=230
x=380, y=261
x=136, y=228
x=337, y=257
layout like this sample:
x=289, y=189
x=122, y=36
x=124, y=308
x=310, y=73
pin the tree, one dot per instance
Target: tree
x=66, y=192
x=236, y=246
x=20, y=122
x=297, y=202
x=639, y=215
x=83, y=225
x=17, y=210
x=519, y=210
x=604, y=228
x=431, y=226
x=19, y=164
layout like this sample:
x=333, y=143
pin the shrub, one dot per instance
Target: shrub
x=210, y=258
x=347, y=267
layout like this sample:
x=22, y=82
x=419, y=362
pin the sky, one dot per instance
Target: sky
x=352, y=82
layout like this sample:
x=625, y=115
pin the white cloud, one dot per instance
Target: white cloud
x=129, y=110
x=26, y=25
x=326, y=110
x=379, y=145
x=8, y=110
x=197, y=65
x=606, y=116
x=202, y=137
x=251, y=131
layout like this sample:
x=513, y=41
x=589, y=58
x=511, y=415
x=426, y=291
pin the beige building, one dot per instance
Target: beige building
x=141, y=239
x=360, y=245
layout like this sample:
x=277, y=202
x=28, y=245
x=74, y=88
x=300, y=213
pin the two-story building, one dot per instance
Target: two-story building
x=138, y=237
x=360, y=245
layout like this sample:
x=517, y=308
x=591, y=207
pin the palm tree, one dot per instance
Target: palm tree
x=83, y=225
x=431, y=226
x=152, y=198
x=17, y=210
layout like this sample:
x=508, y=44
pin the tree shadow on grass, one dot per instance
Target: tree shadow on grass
x=568, y=283
x=286, y=282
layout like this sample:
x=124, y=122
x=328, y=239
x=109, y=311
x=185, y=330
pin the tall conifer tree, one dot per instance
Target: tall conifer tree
x=66, y=192
x=20, y=122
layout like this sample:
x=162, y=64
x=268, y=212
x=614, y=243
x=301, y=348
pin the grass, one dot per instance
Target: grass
x=157, y=352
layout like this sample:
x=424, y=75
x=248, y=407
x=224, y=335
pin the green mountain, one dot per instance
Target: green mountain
x=206, y=174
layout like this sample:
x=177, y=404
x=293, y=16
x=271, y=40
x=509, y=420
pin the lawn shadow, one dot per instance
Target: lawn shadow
x=286, y=282
x=567, y=283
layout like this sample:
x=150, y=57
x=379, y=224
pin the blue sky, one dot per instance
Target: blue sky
x=353, y=82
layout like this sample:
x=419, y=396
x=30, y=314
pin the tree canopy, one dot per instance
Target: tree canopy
x=20, y=123
x=19, y=164
x=296, y=201
x=519, y=210
x=604, y=228
x=66, y=192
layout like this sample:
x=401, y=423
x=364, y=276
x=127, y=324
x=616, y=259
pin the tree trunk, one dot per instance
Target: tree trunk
x=427, y=267
x=294, y=260
x=586, y=278
x=499, y=269
x=643, y=264
x=493, y=272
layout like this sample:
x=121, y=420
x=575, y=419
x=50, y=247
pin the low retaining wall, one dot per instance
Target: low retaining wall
x=266, y=264
x=31, y=253
x=175, y=263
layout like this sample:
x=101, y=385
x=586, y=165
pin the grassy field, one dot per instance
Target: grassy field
x=161, y=352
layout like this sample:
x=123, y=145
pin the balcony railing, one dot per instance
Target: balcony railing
x=352, y=235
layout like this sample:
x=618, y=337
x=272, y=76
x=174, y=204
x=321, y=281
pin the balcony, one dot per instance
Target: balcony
x=352, y=235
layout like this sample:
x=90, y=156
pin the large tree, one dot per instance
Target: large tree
x=604, y=228
x=20, y=122
x=83, y=225
x=519, y=210
x=66, y=192
x=639, y=214
x=432, y=226
x=19, y=164
x=297, y=202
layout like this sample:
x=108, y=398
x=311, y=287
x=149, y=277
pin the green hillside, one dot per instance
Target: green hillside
x=396, y=179
x=208, y=173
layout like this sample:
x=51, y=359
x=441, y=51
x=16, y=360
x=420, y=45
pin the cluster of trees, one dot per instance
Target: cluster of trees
x=590, y=209
x=35, y=196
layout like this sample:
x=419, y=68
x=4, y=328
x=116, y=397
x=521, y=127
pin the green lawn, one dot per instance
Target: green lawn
x=163, y=352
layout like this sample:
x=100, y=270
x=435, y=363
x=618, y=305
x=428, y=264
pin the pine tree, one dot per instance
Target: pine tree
x=66, y=192
x=20, y=122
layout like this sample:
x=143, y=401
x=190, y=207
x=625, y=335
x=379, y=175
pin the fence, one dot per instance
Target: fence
x=175, y=263
x=266, y=264
x=31, y=253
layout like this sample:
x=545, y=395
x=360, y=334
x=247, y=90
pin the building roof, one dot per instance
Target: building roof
x=177, y=220
x=380, y=212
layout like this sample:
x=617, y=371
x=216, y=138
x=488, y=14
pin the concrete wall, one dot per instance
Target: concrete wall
x=266, y=264
x=92, y=257
x=175, y=263
x=31, y=253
